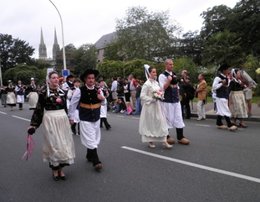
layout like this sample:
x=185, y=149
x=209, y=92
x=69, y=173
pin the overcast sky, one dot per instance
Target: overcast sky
x=86, y=21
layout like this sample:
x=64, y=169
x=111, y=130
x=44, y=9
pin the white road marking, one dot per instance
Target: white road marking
x=2, y=112
x=216, y=170
x=203, y=125
x=18, y=117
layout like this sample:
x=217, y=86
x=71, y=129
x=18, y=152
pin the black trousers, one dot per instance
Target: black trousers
x=92, y=156
x=104, y=120
x=185, y=108
x=220, y=123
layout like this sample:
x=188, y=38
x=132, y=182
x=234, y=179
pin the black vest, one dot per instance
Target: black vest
x=89, y=97
x=171, y=94
x=222, y=92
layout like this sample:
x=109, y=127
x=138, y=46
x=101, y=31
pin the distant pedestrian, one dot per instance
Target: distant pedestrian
x=138, y=106
x=104, y=105
x=186, y=94
x=132, y=88
x=20, y=93
x=32, y=94
x=114, y=90
x=75, y=127
x=248, y=96
x=201, y=92
x=10, y=97
x=3, y=95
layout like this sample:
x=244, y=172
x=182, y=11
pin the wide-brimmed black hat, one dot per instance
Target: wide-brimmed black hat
x=70, y=76
x=87, y=72
x=223, y=67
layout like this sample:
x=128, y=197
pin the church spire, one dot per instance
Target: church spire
x=55, y=47
x=42, y=48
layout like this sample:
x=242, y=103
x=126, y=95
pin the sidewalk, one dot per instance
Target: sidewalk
x=211, y=114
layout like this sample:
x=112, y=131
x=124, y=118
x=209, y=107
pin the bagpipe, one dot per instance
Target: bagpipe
x=244, y=77
x=247, y=78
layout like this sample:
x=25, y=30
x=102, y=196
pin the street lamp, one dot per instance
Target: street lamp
x=64, y=56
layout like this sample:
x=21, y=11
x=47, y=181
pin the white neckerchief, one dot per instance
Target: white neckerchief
x=90, y=87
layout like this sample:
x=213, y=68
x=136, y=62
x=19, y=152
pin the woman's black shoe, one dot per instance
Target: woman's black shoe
x=62, y=177
x=55, y=178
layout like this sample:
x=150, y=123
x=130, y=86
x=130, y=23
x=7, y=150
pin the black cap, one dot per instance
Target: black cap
x=223, y=67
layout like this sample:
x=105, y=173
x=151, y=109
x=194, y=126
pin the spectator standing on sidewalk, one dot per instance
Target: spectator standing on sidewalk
x=132, y=88
x=187, y=94
x=201, y=94
x=114, y=90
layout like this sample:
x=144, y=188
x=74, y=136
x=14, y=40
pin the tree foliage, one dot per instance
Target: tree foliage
x=85, y=58
x=143, y=34
x=25, y=73
x=231, y=34
x=190, y=45
x=78, y=59
x=223, y=47
x=14, y=51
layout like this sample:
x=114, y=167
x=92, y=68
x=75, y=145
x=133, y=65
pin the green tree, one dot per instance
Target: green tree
x=25, y=72
x=70, y=60
x=190, y=45
x=14, y=51
x=143, y=34
x=223, y=47
x=216, y=20
x=85, y=58
x=245, y=21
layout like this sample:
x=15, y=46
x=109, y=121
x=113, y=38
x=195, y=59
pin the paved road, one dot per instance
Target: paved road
x=218, y=165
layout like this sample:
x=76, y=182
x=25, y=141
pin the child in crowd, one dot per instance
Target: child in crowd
x=120, y=106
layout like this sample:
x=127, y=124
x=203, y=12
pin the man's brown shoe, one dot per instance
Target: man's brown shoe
x=232, y=128
x=170, y=140
x=222, y=127
x=184, y=141
x=98, y=167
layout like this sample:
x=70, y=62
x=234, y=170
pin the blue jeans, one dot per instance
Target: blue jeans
x=138, y=106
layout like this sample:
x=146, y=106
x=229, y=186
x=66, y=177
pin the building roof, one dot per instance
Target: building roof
x=105, y=40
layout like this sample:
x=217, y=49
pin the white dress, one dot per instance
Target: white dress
x=152, y=125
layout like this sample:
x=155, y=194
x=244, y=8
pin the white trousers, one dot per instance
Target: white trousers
x=201, y=109
x=90, y=134
x=173, y=114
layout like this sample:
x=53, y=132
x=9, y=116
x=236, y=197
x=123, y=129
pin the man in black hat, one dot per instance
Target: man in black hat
x=69, y=83
x=88, y=100
x=220, y=87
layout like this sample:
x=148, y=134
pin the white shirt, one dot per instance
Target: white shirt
x=114, y=86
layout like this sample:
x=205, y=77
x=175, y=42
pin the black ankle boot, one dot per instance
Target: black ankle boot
x=96, y=162
x=89, y=155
